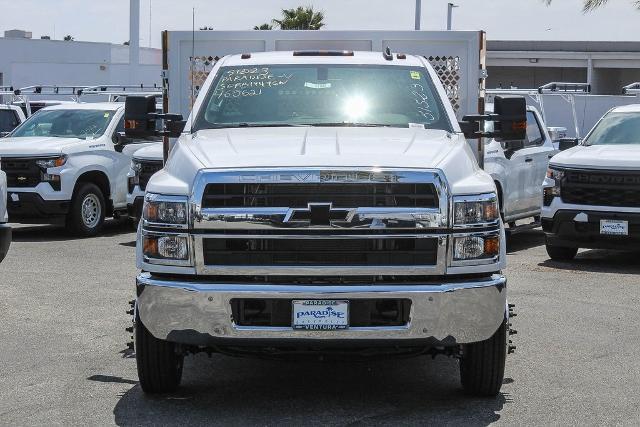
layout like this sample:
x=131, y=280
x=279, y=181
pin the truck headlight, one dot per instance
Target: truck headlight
x=170, y=247
x=477, y=210
x=476, y=247
x=554, y=177
x=165, y=210
x=53, y=162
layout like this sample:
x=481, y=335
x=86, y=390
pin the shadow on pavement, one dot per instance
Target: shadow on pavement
x=53, y=233
x=231, y=391
x=111, y=379
x=599, y=261
x=524, y=240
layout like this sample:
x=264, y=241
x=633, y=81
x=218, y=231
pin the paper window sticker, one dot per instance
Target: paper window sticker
x=415, y=75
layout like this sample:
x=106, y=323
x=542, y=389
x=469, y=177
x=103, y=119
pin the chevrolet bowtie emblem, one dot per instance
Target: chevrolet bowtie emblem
x=22, y=178
x=319, y=214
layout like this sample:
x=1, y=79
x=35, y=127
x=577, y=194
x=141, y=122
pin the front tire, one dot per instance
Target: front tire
x=87, y=213
x=482, y=364
x=561, y=253
x=159, y=362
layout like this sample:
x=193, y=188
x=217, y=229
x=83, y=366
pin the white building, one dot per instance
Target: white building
x=606, y=65
x=25, y=62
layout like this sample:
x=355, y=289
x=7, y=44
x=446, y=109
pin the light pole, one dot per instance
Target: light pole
x=418, y=13
x=450, y=7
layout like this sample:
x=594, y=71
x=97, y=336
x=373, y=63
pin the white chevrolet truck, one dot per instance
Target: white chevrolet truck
x=320, y=202
x=5, y=228
x=519, y=168
x=592, y=191
x=68, y=163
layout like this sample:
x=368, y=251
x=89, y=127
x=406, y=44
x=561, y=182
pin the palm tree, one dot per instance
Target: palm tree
x=590, y=5
x=263, y=27
x=301, y=18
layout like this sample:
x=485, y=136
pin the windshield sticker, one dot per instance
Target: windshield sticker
x=244, y=82
x=317, y=85
x=421, y=98
x=415, y=75
x=106, y=115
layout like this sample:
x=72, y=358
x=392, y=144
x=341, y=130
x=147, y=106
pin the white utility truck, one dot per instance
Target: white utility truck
x=5, y=228
x=10, y=117
x=592, y=191
x=320, y=202
x=518, y=169
x=68, y=163
x=146, y=161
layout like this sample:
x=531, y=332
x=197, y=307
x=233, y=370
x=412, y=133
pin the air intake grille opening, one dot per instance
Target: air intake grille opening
x=21, y=172
x=321, y=252
x=340, y=195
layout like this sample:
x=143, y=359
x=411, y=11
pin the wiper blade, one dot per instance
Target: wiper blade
x=252, y=125
x=349, y=124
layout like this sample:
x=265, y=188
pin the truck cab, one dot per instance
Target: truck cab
x=592, y=191
x=68, y=163
x=322, y=201
x=518, y=168
x=10, y=117
x=5, y=228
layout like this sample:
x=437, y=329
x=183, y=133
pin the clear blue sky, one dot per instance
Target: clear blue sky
x=107, y=20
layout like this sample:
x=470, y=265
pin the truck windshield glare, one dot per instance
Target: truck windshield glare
x=616, y=128
x=322, y=95
x=66, y=124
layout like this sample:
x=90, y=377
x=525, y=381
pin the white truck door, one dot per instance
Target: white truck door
x=120, y=168
x=537, y=149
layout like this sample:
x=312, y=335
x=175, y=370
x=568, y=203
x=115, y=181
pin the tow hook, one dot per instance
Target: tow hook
x=511, y=348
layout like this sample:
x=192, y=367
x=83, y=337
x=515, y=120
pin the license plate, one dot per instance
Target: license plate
x=320, y=315
x=614, y=227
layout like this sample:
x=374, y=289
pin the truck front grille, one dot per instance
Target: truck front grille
x=147, y=169
x=601, y=188
x=348, y=195
x=320, y=251
x=21, y=172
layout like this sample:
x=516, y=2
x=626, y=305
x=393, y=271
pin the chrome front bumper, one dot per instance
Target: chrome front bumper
x=197, y=312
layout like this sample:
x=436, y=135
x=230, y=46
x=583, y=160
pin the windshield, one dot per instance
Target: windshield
x=616, y=128
x=66, y=124
x=322, y=95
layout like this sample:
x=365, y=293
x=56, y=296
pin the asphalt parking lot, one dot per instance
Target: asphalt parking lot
x=63, y=357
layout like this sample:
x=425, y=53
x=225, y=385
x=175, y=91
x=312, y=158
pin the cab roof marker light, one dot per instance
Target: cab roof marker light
x=401, y=56
x=245, y=56
x=323, y=53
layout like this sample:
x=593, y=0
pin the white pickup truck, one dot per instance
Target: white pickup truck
x=68, y=163
x=318, y=202
x=5, y=228
x=10, y=117
x=592, y=191
x=519, y=168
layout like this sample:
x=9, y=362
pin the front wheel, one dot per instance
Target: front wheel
x=87, y=213
x=561, y=253
x=159, y=362
x=482, y=364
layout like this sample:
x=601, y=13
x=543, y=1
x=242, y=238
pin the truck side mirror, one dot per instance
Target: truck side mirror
x=139, y=116
x=511, y=121
x=566, y=143
x=175, y=126
x=470, y=129
x=513, y=145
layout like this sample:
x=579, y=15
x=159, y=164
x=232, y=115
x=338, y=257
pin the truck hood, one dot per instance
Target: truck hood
x=599, y=157
x=36, y=145
x=309, y=146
